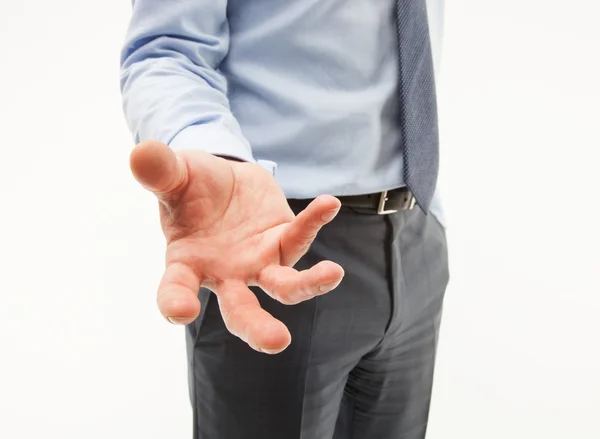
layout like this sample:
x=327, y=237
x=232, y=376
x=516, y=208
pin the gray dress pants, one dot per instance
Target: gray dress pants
x=361, y=361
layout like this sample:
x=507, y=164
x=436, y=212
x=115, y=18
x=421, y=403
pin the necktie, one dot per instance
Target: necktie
x=418, y=109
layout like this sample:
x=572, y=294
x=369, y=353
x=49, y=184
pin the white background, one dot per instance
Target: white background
x=85, y=354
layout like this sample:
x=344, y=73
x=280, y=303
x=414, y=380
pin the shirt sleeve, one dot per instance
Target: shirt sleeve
x=172, y=89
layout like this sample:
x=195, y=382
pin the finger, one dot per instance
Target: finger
x=290, y=286
x=156, y=167
x=245, y=319
x=303, y=229
x=177, y=296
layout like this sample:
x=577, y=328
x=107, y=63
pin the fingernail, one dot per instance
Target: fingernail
x=270, y=351
x=329, y=215
x=328, y=287
x=174, y=321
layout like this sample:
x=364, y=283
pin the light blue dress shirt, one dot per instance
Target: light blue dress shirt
x=308, y=87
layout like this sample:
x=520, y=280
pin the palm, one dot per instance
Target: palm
x=243, y=217
x=227, y=226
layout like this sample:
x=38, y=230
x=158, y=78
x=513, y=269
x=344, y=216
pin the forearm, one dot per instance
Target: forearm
x=172, y=89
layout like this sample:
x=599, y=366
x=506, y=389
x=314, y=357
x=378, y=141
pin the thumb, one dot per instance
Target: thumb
x=157, y=168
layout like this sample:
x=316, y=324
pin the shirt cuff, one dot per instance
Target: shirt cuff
x=217, y=140
x=214, y=139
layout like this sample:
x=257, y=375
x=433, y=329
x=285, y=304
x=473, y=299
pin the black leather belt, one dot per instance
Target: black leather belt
x=381, y=203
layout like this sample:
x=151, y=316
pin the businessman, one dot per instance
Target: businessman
x=293, y=149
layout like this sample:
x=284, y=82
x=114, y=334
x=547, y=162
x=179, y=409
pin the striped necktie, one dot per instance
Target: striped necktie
x=418, y=109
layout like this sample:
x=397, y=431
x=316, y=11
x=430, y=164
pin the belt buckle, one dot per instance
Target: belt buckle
x=383, y=198
x=381, y=210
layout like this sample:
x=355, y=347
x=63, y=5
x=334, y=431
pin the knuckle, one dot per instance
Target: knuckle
x=300, y=295
x=285, y=299
x=226, y=314
x=234, y=314
x=230, y=313
x=305, y=242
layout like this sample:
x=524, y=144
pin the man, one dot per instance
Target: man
x=293, y=148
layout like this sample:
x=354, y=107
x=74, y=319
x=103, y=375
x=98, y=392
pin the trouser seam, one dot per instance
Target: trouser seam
x=389, y=274
x=196, y=416
x=307, y=365
x=196, y=432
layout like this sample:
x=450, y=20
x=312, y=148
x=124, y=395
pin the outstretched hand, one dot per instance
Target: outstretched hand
x=228, y=226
